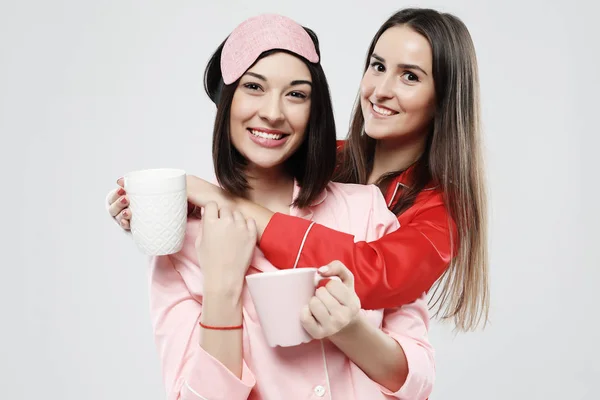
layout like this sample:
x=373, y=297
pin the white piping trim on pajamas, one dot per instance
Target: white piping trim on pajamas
x=194, y=392
x=326, y=372
x=302, y=244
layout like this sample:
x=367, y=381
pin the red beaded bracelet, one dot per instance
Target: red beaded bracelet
x=221, y=328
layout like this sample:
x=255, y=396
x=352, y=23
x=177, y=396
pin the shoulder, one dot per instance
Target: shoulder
x=367, y=199
x=339, y=146
x=353, y=193
x=429, y=208
x=429, y=198
x=361, y=210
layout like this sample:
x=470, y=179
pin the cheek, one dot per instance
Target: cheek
x=237, y=116
x=426, y=110
x=243, y=107
x=238, y=113
x=298, y=117
x=416, y=102
x=367, y=85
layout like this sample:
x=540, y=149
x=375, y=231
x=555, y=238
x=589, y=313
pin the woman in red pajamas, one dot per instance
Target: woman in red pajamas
x=415, y=134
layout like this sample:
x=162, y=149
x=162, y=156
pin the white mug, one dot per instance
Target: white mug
x=158, y=204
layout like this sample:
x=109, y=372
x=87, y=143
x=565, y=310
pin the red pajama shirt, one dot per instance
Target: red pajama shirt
x=389, y=272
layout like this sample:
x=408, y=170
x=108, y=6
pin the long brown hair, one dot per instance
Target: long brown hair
x=452, y=160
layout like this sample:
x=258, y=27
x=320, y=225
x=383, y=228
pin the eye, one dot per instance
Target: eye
x=410, y=76
x=298, y=95
x=252, y=86
x=377, y=66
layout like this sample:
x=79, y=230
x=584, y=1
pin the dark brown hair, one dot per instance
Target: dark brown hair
x=312, y=165
x=452, y=160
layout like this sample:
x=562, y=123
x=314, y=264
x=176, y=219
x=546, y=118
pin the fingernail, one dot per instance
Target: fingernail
x=121, y=192
x=123, y=200
x=125, y=213
x=119, y=179
x=324, y=269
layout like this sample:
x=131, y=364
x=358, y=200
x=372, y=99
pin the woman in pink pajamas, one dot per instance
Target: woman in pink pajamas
x=274, y=143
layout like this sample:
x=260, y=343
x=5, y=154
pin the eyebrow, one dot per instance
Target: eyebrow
x=301, y=82
x=403, y=66
x=293, y=83
x=257, y=76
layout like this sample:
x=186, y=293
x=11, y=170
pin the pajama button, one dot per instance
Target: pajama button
x=320, y=391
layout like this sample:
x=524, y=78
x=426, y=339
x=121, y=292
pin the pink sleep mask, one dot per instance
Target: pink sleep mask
x=259, y=34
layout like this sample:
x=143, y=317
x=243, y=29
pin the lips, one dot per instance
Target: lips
x=382, y=111
x=267, y=138
x=267, y=134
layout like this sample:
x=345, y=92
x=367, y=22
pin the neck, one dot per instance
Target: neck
x=270, y=188
x=395, y=155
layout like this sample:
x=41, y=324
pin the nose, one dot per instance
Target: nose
x=270, y=110
x=384, y=87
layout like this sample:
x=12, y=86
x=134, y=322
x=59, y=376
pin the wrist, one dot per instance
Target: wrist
x=259, y=214
x=223, y=286
x=227, y=291
x=218, y=313
x=351, y=330
x=221, y=306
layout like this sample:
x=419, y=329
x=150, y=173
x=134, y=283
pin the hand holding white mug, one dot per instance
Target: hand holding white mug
x=155, y=205
x=199, y=193
x=118, y=205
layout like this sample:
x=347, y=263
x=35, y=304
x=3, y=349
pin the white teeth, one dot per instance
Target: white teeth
x=265, y=135
x=382, y=111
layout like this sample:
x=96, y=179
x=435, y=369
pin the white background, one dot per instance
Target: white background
x=90, y=90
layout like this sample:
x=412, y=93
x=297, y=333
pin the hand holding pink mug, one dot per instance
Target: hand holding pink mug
x=279, y=297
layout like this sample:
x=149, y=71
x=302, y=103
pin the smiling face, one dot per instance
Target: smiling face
x=397, y=90
x=270, y=110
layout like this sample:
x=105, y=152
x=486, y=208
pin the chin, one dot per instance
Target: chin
x=265, y=163
x=378, y=133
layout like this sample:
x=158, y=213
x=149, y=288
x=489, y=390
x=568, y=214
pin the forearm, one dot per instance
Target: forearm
x=379, y=356
x=389, y=272
x=261, y=215
x=223, y=308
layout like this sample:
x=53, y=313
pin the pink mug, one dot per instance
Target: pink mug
x=278, y=299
